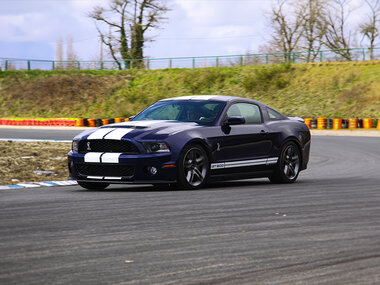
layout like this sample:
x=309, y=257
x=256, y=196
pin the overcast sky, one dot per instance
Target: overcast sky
x=31, y=28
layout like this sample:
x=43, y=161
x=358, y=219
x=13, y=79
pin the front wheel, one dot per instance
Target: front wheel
x=288, y=166
x=193, y=167
x=93, y=185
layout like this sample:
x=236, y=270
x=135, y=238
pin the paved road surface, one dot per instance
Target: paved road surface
x=39, y=133
x=325, y=229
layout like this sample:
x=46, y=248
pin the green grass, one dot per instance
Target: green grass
x=309, y=90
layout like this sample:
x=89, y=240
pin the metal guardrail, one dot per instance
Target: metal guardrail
x=357, y=54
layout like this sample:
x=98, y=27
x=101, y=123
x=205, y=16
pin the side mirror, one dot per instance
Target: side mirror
x=131, y=118
x=235, y=121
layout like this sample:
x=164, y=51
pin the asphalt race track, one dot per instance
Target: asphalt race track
x=325, y=229
x=39, y=133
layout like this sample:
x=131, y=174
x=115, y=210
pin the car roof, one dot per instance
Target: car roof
x=211, y=98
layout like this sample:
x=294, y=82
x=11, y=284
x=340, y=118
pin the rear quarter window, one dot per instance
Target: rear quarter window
x=274, y=115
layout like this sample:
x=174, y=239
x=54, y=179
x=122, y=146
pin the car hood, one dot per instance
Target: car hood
x=139, y=130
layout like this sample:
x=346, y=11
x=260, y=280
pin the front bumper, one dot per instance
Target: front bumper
x=127, y=169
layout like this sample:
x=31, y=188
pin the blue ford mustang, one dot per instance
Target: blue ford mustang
x=191, y=140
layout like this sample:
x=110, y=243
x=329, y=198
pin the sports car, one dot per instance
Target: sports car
x=189, y=141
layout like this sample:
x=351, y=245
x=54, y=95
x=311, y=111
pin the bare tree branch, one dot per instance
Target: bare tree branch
x=129, y=20
x=369, y=28
x=287, y=28
x=336, y=37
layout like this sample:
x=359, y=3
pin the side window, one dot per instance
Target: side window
x=250, y=112
x=274, y=115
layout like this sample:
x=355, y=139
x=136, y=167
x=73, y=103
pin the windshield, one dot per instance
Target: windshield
x=203, y=112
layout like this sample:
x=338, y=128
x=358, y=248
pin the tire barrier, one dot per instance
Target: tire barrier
x=40, y=122
x=329, y=124
x=79, y=123
x=98, y=122
x=91, y=123
x=337, y=124
x=344, y=124
x=321, y=123
x=367, y=123
x=314, y=123
x=353, y=124
x=308, y=122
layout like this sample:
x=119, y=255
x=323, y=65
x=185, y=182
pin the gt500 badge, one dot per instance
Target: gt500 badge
x=217, y=166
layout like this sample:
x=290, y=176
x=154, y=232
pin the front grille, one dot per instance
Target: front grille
x=107, y=146
x=118, y=170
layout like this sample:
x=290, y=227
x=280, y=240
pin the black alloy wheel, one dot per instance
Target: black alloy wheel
x=193, y=167
x=288, y=166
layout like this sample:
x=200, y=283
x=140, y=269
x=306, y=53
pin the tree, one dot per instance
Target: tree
x=369, y=27
x=59, y=53
x=70, y=54
x=287, y=27
x=314, y=26
x=127, y=22
x=337, y=38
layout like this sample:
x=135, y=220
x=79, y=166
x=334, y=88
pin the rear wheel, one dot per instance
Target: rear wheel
x=193, y=167
x=93, y=185
x=288, y=166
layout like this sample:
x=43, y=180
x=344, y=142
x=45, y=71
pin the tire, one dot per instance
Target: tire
x=93, y=185
x=193, y=167
x=288, y=165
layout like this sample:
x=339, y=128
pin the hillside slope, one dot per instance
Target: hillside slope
x=308, y=90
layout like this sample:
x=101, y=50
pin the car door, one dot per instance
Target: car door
x=246, y=144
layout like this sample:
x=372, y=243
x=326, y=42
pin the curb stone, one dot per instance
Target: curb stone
x=38, y=184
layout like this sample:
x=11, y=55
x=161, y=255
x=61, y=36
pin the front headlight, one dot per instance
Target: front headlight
x=75, y=146
x=156, y=147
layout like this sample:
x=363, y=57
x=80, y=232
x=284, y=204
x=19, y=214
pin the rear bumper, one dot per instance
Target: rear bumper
x=110, y=172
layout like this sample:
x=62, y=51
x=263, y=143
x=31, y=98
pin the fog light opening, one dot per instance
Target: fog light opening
x=152, y=170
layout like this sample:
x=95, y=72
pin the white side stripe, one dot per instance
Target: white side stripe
x=99, y=134
x=244, y=163
x=112, y=178
x=117, y=134
x=92, y=157
x=272, y=160
x=110, y=157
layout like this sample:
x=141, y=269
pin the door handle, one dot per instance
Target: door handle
x=264, y=133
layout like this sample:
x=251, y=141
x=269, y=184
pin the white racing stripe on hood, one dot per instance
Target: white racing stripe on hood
x=145, y=123
x=99, y=134
x=117, y=134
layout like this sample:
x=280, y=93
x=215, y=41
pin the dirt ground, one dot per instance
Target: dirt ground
x=33, y=161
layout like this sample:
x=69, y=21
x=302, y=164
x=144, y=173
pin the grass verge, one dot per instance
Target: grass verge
x=350, y=89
